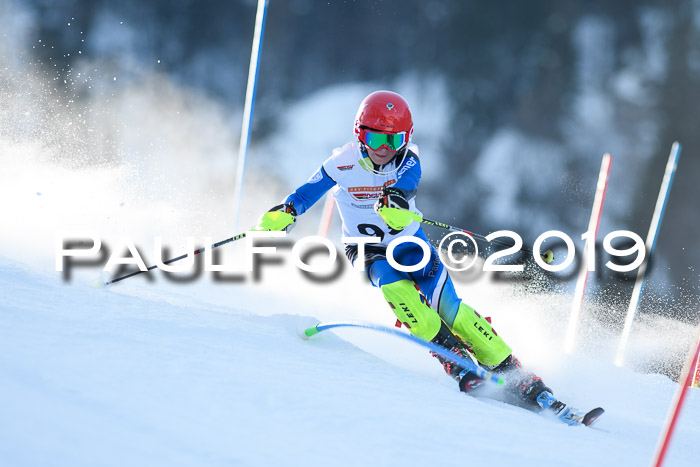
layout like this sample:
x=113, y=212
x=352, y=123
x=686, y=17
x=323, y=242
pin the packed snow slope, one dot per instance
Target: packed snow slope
x=151, y=374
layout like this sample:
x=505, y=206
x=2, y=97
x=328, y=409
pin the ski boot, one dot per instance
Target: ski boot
x=466, y=379
x=562, y=411
x=527, y=390
x=523, y=387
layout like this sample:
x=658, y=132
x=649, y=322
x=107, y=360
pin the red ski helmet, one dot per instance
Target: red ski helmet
x=384, y=112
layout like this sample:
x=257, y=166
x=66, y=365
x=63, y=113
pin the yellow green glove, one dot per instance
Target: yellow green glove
x=280, y=217
x=393, y=208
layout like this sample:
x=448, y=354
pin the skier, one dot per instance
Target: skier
x=374, y=181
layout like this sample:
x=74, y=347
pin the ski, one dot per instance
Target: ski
x=569, y=415
x=592, y=416
x=572, y=416
x=546, y=401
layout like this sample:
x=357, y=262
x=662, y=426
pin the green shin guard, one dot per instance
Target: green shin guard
x=412, y=309
x=477, y=333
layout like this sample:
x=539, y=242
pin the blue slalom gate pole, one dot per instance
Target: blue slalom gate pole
x=477, y=369
x=654, y=228
x=248, y=108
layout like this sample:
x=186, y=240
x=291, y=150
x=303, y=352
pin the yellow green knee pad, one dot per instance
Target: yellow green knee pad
x=488, y=347
x=412, y=309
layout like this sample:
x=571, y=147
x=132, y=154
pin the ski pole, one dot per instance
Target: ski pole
x=196, y=252
x=547, y=256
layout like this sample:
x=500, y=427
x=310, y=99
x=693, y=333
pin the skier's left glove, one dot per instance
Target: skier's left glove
x=394, y=209
x=280, y=217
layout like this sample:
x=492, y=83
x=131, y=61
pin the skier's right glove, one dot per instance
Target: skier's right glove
x=280, y=217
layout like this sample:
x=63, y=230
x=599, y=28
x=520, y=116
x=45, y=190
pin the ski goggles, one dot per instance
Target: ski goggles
x=376, y=140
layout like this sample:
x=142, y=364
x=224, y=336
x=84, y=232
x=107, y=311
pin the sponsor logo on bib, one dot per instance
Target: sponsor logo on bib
x=368, y=192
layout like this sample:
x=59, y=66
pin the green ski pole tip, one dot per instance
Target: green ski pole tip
x=548, y=256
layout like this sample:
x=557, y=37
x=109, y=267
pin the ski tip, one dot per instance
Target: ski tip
x=592, y=416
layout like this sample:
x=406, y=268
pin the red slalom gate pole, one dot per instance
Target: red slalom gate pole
x=675, y=409
x=324, y=225
x=593, y=224
x=696, y=378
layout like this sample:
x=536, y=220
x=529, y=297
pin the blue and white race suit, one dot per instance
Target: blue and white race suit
x=356, y=184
